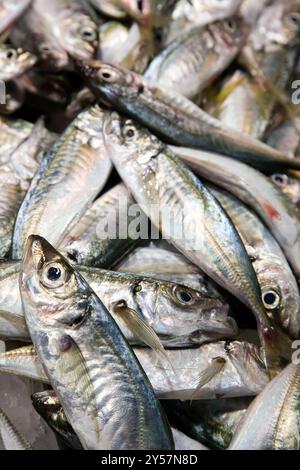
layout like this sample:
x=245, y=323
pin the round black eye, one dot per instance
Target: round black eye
x=106, y=75
x=184, y=296
x=53, y=274
x=230, y=25
x=294, y=18
x=10, y=54
x=271, y=299
x=130, y=133
x=280, y=180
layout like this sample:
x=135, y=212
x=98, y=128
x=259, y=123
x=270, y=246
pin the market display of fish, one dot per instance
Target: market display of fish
x=150, y=225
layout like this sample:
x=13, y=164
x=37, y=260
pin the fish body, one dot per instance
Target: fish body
x=72, y=173
x=106, y=396
x=272, y=420
x=175, y=118
x=90, y=241
x=181, y=316
x=189, y=64
x=278, y=213
x=279, y=288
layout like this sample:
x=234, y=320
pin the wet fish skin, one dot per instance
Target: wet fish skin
x=68, y=343
x=48, y=406
x=122, y=8
x=190, y=63
x=273, y=272
x=243, y=373
x=278, y=213
x=10, y=10
x=158, y=302
x=85, y=243
x=212, y=422
x=156, y=178
x=271, y=421
x=77, y=160
x=14, y=62
x=196, y=13
x=16, y=172
x=175, y=118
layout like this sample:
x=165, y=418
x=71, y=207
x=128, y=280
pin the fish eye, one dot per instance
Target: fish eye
x=11, y=54
x=44, y=48
x=107, y=76
x=184, y=295
x=129, y=132
x=54, y=275
x=230, y=25
x=280, y=180
x=271, y=299
x=88, y=34
x=294, y=18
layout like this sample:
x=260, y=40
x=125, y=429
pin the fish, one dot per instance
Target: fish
x=16, y=172
x=14, y=62
x=285, y=138
x=277, y=212
x=272, y=424
x=289, y=185
x=10, y=436
x=164, y=264
x=190, y=63
x=77, y=160
x=188, y=14
x=101, y=237
x=128, y=47
x=69, y=346
x=12, y=133
x=49, y=407
x=212, y=422
x=243, y=373
x=280, y=292
x=175, y=118
x=181, y=316
x=157, y=179
x=10, y=11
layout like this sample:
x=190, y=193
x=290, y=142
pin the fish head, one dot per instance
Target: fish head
x=110, y=81
x=52, y=55
x=230, y=33
x=14, y=62
x=80, y=37
x=176, y=310
x=52, y=293
x=288, y=185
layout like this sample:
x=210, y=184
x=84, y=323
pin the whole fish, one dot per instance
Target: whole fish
x=243, y=373
x=180, y=315
x=272, y=420
x=175, y=118
x=10, y=11
x=15, y=176
x=188, y=14
x=257, y=191
x=100, y=237
x=105, y=394
x=72, y=174
x=212, y=422
x=190, y=63
x=289, y=186
x=280, y=293
x=14, y=62
x=157, y=179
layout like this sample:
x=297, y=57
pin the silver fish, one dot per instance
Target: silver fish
x=107, y=398
x=14, y=62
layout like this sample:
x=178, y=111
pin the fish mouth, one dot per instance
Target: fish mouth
x=216, y=329
x=37, y=252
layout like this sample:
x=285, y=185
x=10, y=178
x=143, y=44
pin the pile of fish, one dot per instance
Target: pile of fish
x=149, y=224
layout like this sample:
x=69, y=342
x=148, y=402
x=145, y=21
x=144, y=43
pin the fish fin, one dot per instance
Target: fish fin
x=213, y=369
x=141, y=329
